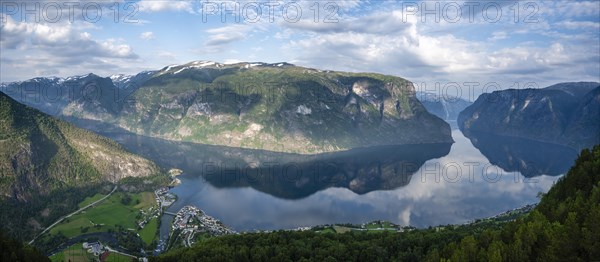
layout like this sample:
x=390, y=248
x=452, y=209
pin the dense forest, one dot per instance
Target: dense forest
x=564, y=227
x=14, y=250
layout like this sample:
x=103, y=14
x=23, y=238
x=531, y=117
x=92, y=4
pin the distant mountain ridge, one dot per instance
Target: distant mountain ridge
x=277, y=107
x=443, y=106
x=566, y=114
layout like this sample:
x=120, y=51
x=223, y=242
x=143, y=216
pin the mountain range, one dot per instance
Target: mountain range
x=276, y=107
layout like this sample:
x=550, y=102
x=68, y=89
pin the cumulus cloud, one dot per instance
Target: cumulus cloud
x=405, y=53
x=59, y=39
x=424, y=52
x=48, y=49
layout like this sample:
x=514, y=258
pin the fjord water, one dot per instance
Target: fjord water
x=417, y=185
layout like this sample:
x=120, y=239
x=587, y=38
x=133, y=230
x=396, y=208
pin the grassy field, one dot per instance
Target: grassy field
x=146, y=200
x=340, y=229
x=108, y=214
x=89, y=200
x=74, y=253
x=149, y=232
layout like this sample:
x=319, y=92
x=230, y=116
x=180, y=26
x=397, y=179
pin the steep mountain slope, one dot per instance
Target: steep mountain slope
x=566, y=114
x=277, y=107
x=585, y=120
x=39, y=154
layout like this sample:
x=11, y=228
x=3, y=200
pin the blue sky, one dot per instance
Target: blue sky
x=512, y=43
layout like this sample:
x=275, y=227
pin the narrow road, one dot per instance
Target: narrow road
x=74, y=213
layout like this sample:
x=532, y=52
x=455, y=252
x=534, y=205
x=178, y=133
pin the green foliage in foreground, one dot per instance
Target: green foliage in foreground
x=564, y=227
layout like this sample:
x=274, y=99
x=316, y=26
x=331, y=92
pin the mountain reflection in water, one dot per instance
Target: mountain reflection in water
x=418, y=185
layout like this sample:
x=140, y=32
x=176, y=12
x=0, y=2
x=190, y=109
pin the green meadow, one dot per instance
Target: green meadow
x=119, y=210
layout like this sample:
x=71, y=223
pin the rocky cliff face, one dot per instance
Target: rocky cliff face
x=277, y=107
x=39, y=154
x=567, y=114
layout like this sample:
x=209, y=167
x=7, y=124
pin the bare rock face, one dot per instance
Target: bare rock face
x=566, y=114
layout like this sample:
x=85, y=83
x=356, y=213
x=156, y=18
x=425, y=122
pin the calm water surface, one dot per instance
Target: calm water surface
x=417, y=185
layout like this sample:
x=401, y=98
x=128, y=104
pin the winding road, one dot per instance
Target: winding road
x=74, y=213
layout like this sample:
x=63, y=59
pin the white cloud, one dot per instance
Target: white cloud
x=147, y=35
x=226, y=34
x=59, y=39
